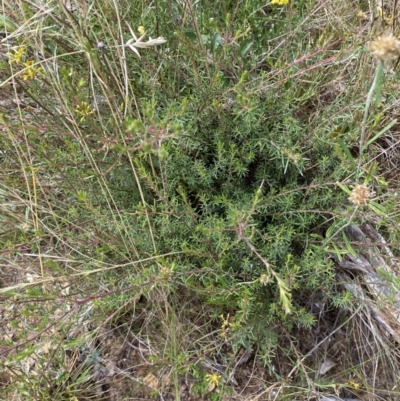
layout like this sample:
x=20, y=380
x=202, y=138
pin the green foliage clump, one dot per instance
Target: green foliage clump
x=188, y=177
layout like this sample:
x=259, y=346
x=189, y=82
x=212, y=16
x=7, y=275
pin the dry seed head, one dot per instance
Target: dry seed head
x=264, y=279
x=360, y=195
x=385, y=47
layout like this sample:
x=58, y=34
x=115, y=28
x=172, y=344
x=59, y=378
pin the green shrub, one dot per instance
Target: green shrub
x=193, y=180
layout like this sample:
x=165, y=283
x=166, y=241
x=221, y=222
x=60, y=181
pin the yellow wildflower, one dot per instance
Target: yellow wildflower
x=279, y=2
x=213, y=380
x=16, y=56
x=83, y=110
x=141, y=30
x=224, y=326
x=361, y=15
x=30, y=70
x=352, y=383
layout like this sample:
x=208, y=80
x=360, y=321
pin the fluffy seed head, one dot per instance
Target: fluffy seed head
x=360, y=195
x=385, y=47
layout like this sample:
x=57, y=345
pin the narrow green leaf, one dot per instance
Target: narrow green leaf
x=344, y=188
x=378, y=80
x=371, y=172
x=246, y=46
x=216, y=40
x=381, y=132
x=7, y=24
x=349, y=248
x=337, y=251
x=347, y=153
x=378, y=209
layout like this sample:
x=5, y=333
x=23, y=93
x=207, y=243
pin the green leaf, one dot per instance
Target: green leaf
x=81, y=196
x=344, y=188
x=7, y=24
x=349, y=248
x=246, y=46
x=338, y=251
x=216, y=40
x=378, y=82
x=371, y=171
x=377, y=208
x=347, y=153
x=381, y=132
x=190, y=34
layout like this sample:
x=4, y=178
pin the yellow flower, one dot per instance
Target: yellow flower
x=16, y=56
x=83, y=110
x=361, y=15
x=279, y=2
x=30, y=70
x=141, y=30
x=213, y=379
x=352, y=383
x=224, y=326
